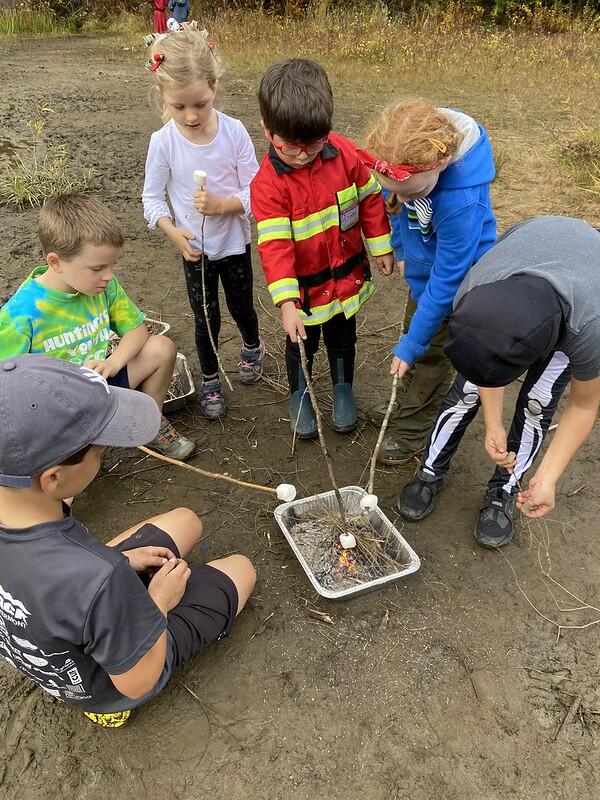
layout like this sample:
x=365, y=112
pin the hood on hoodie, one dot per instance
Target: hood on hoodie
x=474, y=162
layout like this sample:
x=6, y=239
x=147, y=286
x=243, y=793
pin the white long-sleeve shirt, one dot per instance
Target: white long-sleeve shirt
x=230, y=164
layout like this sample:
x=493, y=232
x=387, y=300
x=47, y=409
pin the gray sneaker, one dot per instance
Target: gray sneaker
x=212, y=399
x=170, y=443
x=252, y=361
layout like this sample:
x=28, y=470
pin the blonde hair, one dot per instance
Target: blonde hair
x=66, y=224
x=414, y=133
x=188, y=57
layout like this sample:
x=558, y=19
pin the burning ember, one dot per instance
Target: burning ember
x=347, y=561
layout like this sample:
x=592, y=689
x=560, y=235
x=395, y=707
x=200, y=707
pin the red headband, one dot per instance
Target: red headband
x=397, y=172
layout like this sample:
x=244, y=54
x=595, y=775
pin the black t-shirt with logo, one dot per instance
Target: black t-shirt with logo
x=73, y=610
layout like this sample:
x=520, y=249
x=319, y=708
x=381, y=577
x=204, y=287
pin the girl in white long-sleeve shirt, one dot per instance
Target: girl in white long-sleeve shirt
x=197, y=136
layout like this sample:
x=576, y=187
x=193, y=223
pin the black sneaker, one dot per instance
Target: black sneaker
x=416, y=500
x=494, y=528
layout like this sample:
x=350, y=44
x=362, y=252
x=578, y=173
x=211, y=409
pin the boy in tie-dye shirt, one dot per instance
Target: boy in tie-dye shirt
x=68, y=308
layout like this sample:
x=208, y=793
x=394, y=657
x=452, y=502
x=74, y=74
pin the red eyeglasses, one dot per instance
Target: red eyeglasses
x=311, y=149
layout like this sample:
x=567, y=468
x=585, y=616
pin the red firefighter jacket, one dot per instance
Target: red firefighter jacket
x=310, y=222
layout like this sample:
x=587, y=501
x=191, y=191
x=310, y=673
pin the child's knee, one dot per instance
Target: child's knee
x=161, y=349
x=244, y=576
x=245, y=567
x=241, y=571
x=188, y=521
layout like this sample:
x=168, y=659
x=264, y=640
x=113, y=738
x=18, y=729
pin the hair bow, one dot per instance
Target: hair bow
x=154, y=63
x=397, y=172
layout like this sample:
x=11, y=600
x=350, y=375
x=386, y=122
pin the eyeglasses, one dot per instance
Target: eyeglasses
x=311, y=149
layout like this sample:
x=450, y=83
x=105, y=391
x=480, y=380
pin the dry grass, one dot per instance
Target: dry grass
x=529, y=83
x=532, y=83
x=581, y=153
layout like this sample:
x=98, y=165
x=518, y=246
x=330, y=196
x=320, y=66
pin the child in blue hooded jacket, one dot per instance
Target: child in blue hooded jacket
x=435, y=166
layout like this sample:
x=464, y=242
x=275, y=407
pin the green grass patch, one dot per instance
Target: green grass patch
x=40, y=171
x=31, y=22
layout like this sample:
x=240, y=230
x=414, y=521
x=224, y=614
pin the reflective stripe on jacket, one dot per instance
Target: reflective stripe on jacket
x=312, y=220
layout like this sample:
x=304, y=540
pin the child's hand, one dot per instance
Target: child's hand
x=538, y=499
x=292, y=321
x=495, y=445
x=180, y=239
x=399, y=367
x=385, y=263
x=107, y=368
x=168, y=585
x=143, y=558
x=207, y=203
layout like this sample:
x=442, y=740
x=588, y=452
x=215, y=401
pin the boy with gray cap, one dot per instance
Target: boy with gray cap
x=529, y=305
x=74, y=615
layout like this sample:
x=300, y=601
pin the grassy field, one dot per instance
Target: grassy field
x=533, y=82
x=449, y=685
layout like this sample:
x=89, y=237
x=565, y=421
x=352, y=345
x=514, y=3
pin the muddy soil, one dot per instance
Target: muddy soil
x=448, y=684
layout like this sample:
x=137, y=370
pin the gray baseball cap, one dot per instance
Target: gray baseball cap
x=50, y=409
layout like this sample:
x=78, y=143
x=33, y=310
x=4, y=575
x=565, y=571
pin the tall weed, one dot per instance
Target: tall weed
x=42, y=172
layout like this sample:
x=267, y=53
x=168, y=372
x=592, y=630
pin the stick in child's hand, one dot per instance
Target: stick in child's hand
x=200, y=177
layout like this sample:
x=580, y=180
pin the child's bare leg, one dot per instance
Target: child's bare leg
x=242, y=573
x=182, y=525
x=152, y=369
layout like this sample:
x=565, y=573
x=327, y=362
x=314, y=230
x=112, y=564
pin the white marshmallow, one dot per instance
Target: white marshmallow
x=369, y=502
x=200, y=177
x=347, y=540
x=286, y=492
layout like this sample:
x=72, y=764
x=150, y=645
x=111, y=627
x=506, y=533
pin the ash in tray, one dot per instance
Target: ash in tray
x=375, y=555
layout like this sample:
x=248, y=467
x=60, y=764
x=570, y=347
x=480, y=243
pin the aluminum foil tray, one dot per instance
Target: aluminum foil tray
x=289, y=513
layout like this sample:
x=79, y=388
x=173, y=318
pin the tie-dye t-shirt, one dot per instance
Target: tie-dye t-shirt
x=74, y=327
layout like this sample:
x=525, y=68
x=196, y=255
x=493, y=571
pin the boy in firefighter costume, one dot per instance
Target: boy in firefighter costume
x=313, y=201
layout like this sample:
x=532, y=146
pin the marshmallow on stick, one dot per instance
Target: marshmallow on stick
x=200, y=178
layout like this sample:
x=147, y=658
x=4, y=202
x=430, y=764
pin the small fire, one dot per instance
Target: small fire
x=347, y=561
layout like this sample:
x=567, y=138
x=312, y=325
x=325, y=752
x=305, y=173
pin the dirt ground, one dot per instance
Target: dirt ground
x=448, y=684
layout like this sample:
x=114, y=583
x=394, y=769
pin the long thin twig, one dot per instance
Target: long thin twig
x=327, y=457
x=216, y=476
x=382, y=431
x=205, y=307
x=570, y=715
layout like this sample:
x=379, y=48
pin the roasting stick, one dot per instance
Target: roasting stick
x=285, y=491
x=370, y=501
x=200, y=180
x=347, y=539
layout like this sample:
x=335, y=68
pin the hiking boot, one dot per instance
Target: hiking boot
x=302, y=415
x=494, y=528
x=212, y=399
x=377, y=413
x=115, y=719
x=252, y=361
x=345, y=415
x=170, y=443
x=416, y=499
x=391, y=453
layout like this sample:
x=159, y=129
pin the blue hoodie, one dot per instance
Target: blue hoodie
x=440, y=237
